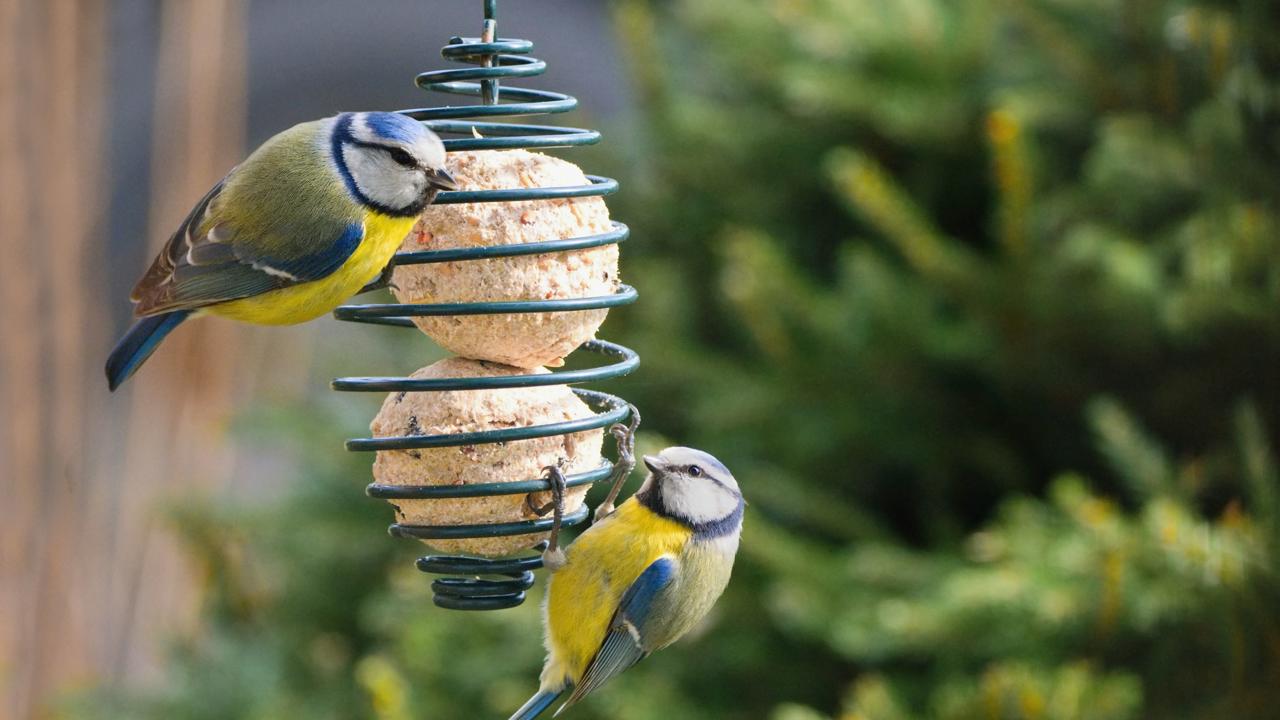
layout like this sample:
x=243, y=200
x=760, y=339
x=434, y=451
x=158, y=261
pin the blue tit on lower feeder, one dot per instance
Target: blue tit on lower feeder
x=640, y=578
x=300, y=226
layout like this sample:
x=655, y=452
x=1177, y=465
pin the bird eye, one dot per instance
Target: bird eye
x=402, y=157
x=695, y=471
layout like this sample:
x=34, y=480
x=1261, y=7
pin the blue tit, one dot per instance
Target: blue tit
x=640, y=578
x=300, y=226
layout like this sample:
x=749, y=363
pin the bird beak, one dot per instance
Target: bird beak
x=655, y=465
x=441, y=178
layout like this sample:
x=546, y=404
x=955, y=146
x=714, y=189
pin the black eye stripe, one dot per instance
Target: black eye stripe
x=397, y=154
x=717, y=481
x=698, y=472
x=402, y=157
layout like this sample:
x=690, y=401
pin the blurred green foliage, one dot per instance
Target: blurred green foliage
x=981, y=302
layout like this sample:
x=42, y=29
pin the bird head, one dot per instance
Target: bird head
x=390, y=162
x=692, y=487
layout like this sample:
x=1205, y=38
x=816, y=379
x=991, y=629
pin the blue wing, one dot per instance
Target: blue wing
x=624, y=644
x=211, y=259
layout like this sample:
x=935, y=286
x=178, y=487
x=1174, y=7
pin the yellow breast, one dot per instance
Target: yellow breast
x=600, y=566
x=307, y=301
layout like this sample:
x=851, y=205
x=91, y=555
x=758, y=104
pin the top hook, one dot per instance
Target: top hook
x=489, y=86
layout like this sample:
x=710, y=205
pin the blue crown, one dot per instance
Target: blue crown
x=393, y=126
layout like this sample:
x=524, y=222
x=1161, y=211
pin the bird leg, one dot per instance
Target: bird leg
x=625, y=438
x=553, y=557
x=382, y=281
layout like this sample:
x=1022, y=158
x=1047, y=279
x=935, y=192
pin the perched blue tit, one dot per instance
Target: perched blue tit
x=300, y=226
x=640, y=578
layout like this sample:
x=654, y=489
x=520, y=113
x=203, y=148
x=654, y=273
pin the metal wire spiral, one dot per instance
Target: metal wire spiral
x=495, y=60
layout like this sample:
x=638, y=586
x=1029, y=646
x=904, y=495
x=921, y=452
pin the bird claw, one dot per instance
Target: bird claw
x=553, y=557
x=625, y=438
x=382, y=281
x=387, y=273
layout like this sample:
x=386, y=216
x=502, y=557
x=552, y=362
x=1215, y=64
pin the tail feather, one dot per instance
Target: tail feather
x=138, y=343
x=535, y=705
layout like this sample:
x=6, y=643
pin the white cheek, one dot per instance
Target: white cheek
x=382, y=180
x=430, y=151
x=698, y=500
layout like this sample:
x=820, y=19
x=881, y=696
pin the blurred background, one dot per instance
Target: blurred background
x=980, y=301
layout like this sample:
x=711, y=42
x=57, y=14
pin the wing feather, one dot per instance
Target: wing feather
x=214, y=257
x=624, y=645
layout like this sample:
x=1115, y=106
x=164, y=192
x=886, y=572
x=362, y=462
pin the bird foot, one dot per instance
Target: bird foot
x=382, y=281
x=553, y=557
x=625, y=438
